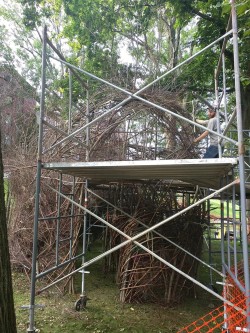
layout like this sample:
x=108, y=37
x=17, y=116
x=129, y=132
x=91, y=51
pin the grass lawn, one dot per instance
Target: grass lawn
x=216, y=210
x=104, y=312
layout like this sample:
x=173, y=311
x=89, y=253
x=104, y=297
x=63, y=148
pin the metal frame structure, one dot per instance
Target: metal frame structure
x=212, y=173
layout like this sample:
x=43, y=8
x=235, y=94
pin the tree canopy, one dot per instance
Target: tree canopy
x=118, y=39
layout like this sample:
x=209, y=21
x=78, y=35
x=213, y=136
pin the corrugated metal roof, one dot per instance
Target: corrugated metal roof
x=202, y=172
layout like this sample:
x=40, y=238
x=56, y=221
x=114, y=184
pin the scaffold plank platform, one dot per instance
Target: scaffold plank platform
x=201, y=172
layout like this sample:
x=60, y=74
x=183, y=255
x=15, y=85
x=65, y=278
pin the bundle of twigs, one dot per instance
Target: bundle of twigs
x=140, y=275
x=137, y=130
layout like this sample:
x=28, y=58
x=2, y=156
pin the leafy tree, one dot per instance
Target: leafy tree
x=211, y=20
x=159, y=34
x=96, y=31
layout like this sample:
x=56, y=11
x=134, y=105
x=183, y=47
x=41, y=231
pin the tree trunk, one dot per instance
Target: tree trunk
x=7, y=311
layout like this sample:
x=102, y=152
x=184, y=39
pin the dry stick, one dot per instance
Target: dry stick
x=109, y=129
x=177, y=278
x=156, y=232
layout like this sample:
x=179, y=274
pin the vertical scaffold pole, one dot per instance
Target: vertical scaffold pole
x=31, y=328
x=224, y=87
x=241, y=162
x=70, y=102
x=85, y=219
x=217, y=111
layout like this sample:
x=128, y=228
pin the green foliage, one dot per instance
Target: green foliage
x=34, y=12
x=158, y=34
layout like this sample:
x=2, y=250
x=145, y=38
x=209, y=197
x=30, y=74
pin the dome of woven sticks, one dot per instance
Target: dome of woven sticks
x=141, y=131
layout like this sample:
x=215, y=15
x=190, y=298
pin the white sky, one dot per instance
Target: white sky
x=125, y=57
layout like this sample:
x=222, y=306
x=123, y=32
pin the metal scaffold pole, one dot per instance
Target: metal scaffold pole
x=241, y=154
x=81, y=303
x=85, y=216
x=31, y=327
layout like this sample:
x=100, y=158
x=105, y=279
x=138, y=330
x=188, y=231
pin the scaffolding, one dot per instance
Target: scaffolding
x=224, y=178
